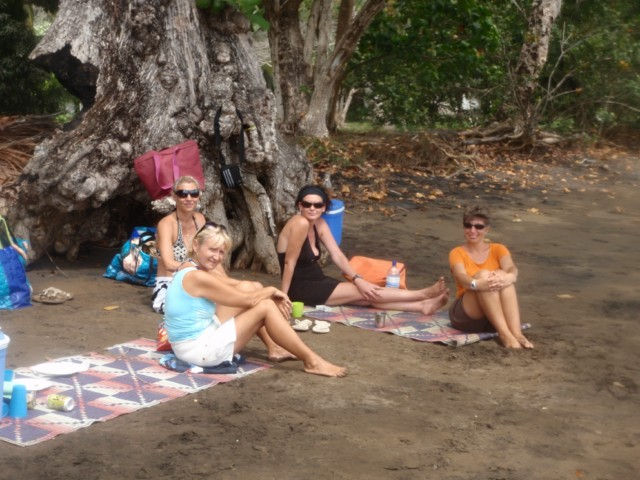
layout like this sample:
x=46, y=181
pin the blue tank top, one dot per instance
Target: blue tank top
x=186, y=317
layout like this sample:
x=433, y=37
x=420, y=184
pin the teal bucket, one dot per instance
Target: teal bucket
x=4, y=343
x=334, y=217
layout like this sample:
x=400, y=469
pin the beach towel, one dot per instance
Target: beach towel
x=126, y=378
x=423, y=328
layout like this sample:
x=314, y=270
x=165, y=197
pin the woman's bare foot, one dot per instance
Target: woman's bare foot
x=432, y=305
x=320, y=366
x=436, y=289
x=524, y=341
x=509, y=341
x=278, y=354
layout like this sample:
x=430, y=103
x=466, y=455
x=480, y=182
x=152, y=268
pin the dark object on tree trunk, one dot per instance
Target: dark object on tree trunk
x=161, y=69
x=230, y=174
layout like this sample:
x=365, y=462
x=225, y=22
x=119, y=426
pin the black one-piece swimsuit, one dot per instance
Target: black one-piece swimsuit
x=309, y=284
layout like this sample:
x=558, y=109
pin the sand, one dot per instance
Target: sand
x=566, y=410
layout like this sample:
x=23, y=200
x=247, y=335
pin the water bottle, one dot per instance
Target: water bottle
x=393, y=276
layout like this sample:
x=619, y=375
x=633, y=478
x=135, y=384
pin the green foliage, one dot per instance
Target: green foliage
x=252, y=9
x=418, y=56
x=24, y=88
x=601, y=65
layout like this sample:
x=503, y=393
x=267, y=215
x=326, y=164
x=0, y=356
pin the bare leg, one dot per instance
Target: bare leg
x=509, y=302
x=266, y=313
x=426, y=307
x=425, y=300
x=275, y=352
x=487, y=303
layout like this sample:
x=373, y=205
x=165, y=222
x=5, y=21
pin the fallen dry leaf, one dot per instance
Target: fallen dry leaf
x=111, y=307
x=376, y=195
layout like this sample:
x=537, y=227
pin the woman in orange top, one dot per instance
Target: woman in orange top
x=485, y=278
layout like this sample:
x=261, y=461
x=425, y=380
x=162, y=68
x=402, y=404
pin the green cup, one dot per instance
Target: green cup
x=297, y=309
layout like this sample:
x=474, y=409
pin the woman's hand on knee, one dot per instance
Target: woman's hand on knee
x=368, y=290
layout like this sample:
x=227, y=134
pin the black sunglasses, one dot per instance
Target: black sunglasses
x=212, y=224
x=185, y=193
x=477, y=226
x=306, y=204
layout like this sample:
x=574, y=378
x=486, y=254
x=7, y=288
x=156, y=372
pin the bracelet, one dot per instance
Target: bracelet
x=355, y=277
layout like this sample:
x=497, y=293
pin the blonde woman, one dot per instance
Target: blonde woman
x=202, y=334
x=175, y=233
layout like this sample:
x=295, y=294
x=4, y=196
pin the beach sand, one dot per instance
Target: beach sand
x=566, y=410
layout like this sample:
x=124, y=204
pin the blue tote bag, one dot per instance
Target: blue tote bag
x=15, y=291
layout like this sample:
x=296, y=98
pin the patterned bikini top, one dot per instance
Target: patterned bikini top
x=179, y=248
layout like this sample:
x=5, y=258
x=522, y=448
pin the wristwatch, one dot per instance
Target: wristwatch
x=356, y=276
x=474, y=284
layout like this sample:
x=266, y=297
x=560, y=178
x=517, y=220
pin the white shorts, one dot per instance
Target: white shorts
x=211, y=348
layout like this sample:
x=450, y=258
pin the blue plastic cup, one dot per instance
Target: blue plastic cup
x=18, y=403
x=5, y=375
x=334, y=217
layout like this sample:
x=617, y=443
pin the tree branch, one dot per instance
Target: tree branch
x=348, y=42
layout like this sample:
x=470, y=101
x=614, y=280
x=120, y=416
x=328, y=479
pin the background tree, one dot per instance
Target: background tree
x=593, y=75
x=151, y=74
x=310, y=50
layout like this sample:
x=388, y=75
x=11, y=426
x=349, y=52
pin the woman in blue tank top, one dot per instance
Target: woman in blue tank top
x=201, y=337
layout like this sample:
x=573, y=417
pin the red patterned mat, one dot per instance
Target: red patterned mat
x=124, y=380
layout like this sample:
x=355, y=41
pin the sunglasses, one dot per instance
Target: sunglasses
x=477, y=226
x=306, y=204
x=185, y=193
x=212, y=224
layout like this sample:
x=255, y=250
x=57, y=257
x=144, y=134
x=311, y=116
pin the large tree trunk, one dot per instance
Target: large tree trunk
x=151, y=74
x=533, y=57
x=309, y=66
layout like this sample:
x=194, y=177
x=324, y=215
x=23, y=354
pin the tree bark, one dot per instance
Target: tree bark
x=533, y=57
x=308, y=81
x=150, y=75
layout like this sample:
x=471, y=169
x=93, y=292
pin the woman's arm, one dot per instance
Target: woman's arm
x=164, y=238
x=368, y=290
x=296, y=231
x=212, y=287
x=462, y=278
x=507, y=275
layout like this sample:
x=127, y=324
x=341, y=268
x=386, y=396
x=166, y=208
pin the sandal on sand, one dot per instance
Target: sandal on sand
x=52, y=295
x=302, y=325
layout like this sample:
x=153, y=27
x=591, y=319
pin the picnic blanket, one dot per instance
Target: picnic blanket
x=125, y=379
x=424, y=328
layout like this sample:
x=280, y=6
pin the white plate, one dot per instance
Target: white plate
x=65, y=367
x=33, y=384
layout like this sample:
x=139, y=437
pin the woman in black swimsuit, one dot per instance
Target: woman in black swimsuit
x=175, y=234
x=303, y=280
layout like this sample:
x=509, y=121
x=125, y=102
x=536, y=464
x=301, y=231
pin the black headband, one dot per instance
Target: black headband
x=312, y=190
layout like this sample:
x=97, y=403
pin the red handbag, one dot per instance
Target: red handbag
x=159, y=170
